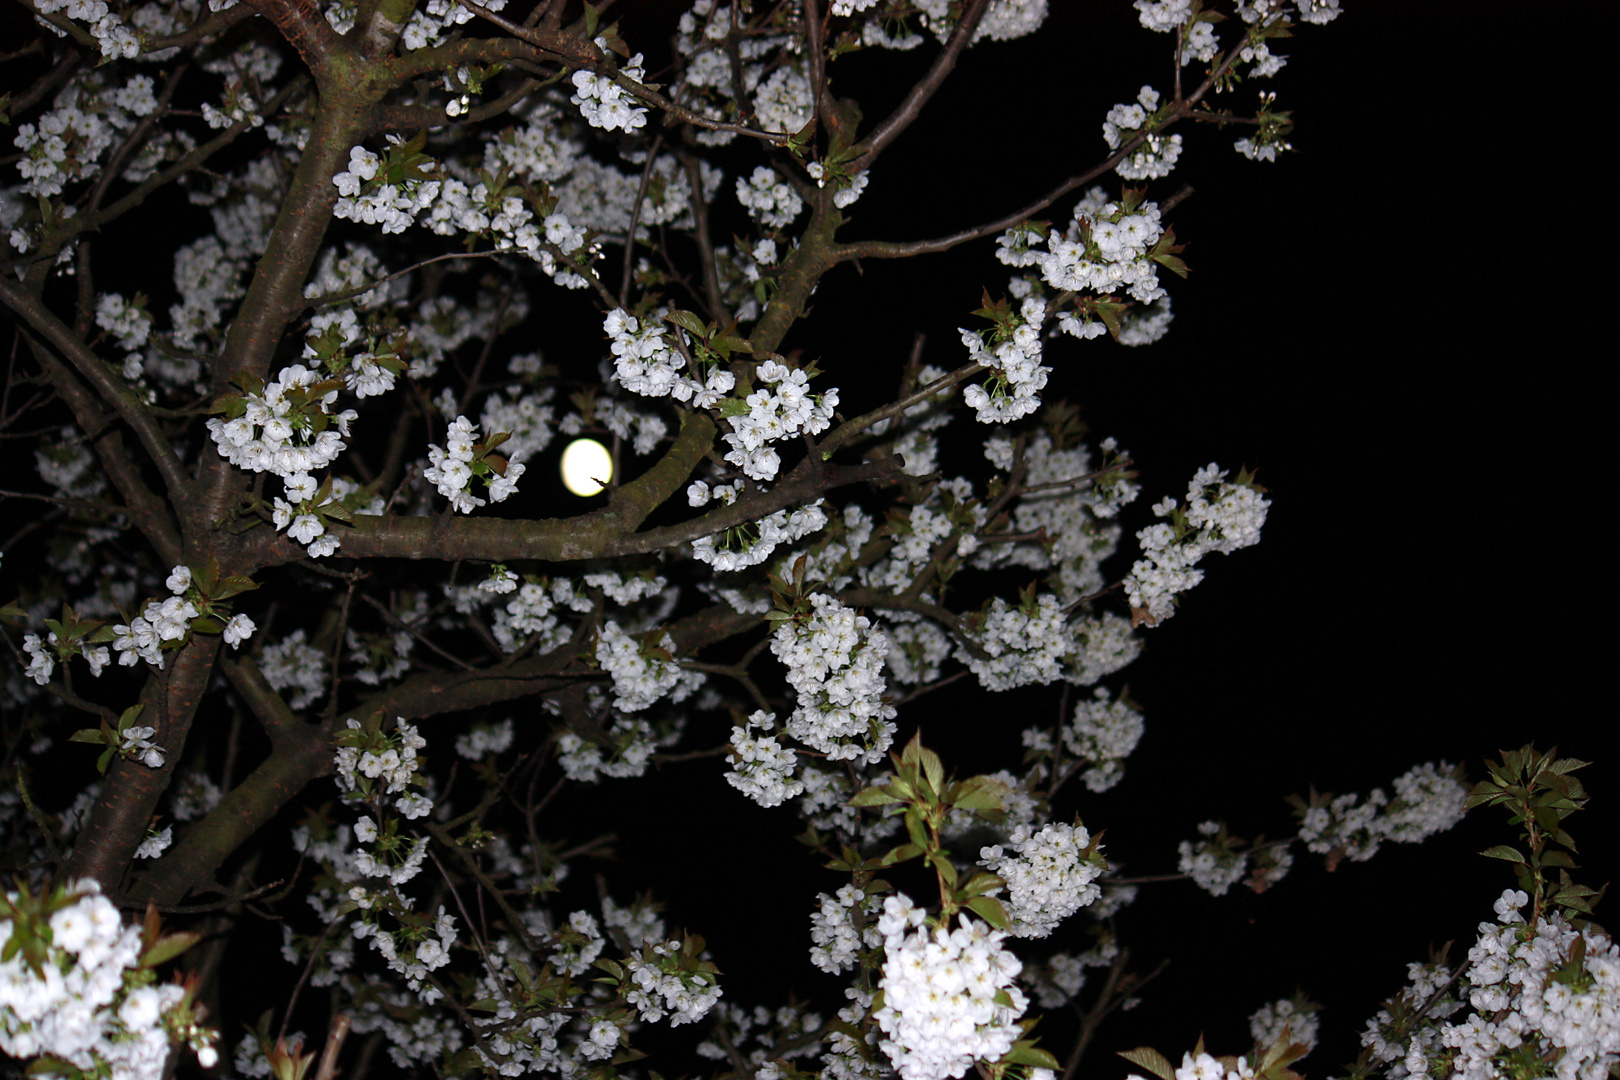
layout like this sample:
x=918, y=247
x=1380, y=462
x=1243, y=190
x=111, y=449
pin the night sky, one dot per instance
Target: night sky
x=1396, y=325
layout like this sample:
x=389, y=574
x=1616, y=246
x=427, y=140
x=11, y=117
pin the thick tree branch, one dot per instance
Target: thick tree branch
x=129, y=796
x=306, y=30
x=590, y=536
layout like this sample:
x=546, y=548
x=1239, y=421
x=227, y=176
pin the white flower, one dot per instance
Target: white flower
x=179, y=580
x=154, y=845
x=238, y=630
x=940, y=986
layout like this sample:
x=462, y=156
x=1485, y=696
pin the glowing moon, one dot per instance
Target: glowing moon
x=586, y=467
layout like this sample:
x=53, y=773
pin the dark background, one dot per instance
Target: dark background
x=1397, y=325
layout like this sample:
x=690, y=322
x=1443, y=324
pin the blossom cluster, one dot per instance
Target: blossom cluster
x=288, y=428
x=1166, y=16
x=451, y=469
x=640, y=675
x=603, y=103
x=761, y=767
x=1103, y=732
x=294, y=664
x=1220, y=516
x=1017, y=646
x=668, y=984
x=1214, y=864
x=768, y=198
x=1157, y=154
x=371, y=763
x=1548, y=993
x=113, y=36
x=940, y=988
x=781, y=408
x=85, y=122
x=1049, y=874
x=835, y=939
x=1291, y=1018
x=136, y=743
x=1106, y=247
x=835, y=659
x=1014, y=353
x=646, y=362
x=624, y=750
x=752, y=543
x=73, y=989
x=143, y=636
x=1429, y=798
x=393, y=206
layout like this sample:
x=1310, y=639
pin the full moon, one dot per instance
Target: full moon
x=586, y=467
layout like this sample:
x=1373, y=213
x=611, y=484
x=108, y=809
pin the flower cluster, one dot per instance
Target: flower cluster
x=1107, y=246
x=835, y=940
x=835, y=666
x=1014, y=352
x=1049, y=874
x=1429, y=798
x=752, y=543
x=761, y=767
x=1157, y=154
x=768, y=198
x=781, y=408
x=287, y=427
x=143, y=636
x=86, y=121
x=670, y=981
x=629, y=746
x=641, y=673
x=1291, y=1018
x=940, y=989
x=1017, y=646
x=370, y=192
x=1166, y=16
x=1103, y=733
x=1214, y=863
x=294, y=664
x=603, y=103
x=1220, y=516
x=463, y=457
x=137, y=744
x=647, y=363
x=75, y=987
x=485, y=740
x=1547, y=994
x=371, y=763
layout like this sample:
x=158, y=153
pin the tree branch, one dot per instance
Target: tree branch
x=885, y=133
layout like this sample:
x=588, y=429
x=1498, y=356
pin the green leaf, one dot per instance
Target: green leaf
x=934, y=770
x=990, y=910
x=1024, y=1052
x=688, y=322
x=872, y=796
x=978, y=793
x=982, y=882
x=1503, y=851
x=1146, y=1057
x=89, y=735
x=899, y=854
x=168, y=947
